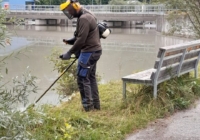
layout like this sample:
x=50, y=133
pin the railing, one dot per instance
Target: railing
x=96, y=8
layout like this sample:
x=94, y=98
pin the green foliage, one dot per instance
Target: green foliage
x=189, y=9
x=52, y=127
x=15, y=124
x=49, y=2
x=175, y=94
x=3, y=32
x=67, y=83
x=22, y=87
x=146, y=1
x=67, y=130
x=12, y=122
x=117, y=2
x=102, y=2
x=67, y=121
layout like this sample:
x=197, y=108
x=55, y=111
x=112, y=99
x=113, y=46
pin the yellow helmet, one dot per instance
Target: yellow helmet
x=64, y=5
x=75, y=4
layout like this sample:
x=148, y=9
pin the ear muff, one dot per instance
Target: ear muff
x=76, y=5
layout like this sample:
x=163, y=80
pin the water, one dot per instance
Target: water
x=125, y=51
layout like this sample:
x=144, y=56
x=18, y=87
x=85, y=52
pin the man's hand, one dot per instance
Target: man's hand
x=70, y=41
x=77, y=54
x=61, y=56
x=65, y=56
x=65, y=41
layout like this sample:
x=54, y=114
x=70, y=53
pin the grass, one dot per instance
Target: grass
x=117, y=117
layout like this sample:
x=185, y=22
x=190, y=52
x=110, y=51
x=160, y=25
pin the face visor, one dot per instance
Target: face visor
x=63, y=8
x=68, y=14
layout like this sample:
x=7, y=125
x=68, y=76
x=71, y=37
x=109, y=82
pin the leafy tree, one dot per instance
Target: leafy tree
x=189, y=9
x=117, y=2
x=145, y=1
x=87, y=2
x=49, y=2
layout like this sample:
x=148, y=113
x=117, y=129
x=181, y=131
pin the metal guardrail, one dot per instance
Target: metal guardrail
x=95, y=8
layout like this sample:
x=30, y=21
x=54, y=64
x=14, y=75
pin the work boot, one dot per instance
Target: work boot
x=87, y=109
x=97, y=107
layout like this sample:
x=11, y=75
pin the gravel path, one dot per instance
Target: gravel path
x=184, y=125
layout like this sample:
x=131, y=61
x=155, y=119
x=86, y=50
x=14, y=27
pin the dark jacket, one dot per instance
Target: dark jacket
x=87, y=39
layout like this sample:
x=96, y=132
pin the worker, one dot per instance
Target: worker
x=87, y=45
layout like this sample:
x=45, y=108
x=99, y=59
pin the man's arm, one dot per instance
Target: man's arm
x=83, y=30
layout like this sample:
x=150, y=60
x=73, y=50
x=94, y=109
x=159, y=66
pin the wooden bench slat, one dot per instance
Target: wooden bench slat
x=172, y=71
x=190, y=44
x=188, y=49
x=176, y=58
x=170, y=52
x=141, y=77
x=168, y=61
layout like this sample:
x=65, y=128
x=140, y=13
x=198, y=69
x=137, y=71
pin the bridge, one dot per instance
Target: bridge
x=119, y=14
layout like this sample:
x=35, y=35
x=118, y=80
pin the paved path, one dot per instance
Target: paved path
x=184, y=125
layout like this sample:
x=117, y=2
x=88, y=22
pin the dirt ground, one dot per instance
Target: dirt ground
x=184, y=125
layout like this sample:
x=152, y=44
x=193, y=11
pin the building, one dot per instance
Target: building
x=8, y=4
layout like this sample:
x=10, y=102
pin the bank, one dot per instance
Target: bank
x=117, y=117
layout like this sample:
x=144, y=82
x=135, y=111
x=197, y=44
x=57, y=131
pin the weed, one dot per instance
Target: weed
x=119, y=117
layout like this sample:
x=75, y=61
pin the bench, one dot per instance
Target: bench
x=171, y=61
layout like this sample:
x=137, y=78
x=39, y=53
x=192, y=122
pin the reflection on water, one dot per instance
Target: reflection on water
x=124, y=52
x=14, y=44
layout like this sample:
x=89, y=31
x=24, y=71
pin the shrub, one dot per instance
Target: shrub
x=13, y=123
x=67, y=83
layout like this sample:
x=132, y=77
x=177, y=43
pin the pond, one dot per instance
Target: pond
x=125, y=51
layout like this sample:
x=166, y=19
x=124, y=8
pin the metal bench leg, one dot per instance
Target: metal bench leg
x=124, y=90
x=196, y=72
x=155, y=91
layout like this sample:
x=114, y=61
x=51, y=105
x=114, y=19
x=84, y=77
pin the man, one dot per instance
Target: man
x=87, y=42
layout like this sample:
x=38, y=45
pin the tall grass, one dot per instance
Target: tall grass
x=118, y=117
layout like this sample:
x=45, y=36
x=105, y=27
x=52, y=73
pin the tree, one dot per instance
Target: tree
x=188, y=8
x=49, y=2
x=117, y=2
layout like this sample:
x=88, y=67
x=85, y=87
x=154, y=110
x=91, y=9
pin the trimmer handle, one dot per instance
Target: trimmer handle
x=70, y=41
